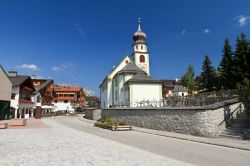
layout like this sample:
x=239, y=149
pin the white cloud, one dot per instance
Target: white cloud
x=206, y=30
x=31, y=67
x=183, y=32
x=60, y=68
x=242, y=20
x=57, y=68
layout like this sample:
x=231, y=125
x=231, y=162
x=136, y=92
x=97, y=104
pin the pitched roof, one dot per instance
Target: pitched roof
x=170, y=83
x=114, y=68
x=18, y=80
x=131, y=67
x=179, y=88
x=43, y=85
x=67, y=88
x=1, y=67
x=143, y=77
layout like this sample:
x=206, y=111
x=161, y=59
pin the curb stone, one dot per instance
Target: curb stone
x=183, y=137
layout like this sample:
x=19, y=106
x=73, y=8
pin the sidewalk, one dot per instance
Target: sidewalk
x=224, y=142
x=31, y=123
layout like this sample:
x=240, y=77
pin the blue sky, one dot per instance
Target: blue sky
x=78, y=42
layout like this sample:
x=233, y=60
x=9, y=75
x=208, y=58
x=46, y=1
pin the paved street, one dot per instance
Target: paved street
x=186, y=151
x=69, y=141
x=62, y=146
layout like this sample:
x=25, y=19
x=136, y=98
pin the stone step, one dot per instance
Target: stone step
x=240, y=123
x=241, y=126
x=232, y=131
x=242, y=120
x=231, y=136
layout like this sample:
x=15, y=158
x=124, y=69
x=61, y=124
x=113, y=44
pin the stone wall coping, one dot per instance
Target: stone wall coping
x=206, y=107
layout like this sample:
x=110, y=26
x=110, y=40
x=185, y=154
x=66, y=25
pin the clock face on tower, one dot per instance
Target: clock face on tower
x=143, y=67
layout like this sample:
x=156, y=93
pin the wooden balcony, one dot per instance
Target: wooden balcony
x=25, y=101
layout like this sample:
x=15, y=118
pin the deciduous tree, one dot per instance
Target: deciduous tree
x=188, y=79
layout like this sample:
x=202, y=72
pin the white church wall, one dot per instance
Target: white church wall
x=123, y=92
x=144, y=92
x=109, y=93
x=120, y=90
x=105, y=94
x=104, y=97
x=122, y=98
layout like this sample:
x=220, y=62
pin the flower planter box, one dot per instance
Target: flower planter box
x=3, y=125
x=17, y=122
x=113, y=127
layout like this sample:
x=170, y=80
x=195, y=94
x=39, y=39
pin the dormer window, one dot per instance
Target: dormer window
x=142, y=58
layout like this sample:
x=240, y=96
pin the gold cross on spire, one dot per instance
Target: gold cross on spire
x=139, y=24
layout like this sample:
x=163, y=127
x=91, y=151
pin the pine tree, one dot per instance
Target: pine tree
x=248, y=62
x=188, y=79
x=240, y=68
x=207, y=77
x=225, y=67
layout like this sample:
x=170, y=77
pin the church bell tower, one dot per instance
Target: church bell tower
x=140, y=54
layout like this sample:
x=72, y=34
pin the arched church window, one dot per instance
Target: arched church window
x=142, y=58
x=142, y=47
x=136, y=47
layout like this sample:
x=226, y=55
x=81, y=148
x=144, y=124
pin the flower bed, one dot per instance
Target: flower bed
x=108, y=123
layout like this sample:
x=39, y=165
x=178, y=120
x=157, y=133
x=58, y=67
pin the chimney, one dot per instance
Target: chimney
x=12, y=73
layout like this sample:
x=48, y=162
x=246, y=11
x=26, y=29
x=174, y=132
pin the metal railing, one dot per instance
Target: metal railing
x=231, y=116
x=183, y=101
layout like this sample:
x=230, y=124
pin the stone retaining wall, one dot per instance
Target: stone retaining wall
x=93, y=114
x=201, y=121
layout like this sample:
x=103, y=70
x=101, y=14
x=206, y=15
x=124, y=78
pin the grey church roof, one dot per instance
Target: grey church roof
x=131, y=67
x=143, y=77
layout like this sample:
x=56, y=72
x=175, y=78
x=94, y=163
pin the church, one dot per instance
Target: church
x=129, y=84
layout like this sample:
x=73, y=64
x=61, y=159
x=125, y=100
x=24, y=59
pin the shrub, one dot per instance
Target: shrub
x=122, y=123
x=244, y=93
x=109, y=122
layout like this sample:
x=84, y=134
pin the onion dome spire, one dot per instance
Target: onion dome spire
x=139, y=35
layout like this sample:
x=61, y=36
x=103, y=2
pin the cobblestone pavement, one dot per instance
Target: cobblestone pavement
x=60, y=145
x=178, y=149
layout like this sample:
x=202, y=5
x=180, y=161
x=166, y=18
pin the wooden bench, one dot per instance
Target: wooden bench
x=17, y=122
x=3, y=125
